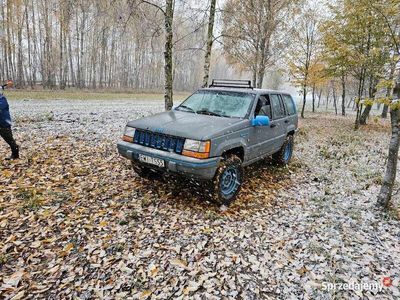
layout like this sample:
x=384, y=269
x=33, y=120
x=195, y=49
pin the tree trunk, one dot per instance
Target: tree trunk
x=4, y=25
x=262, y=64
x=351, y=101
x=313, y=98
x=385, y=193
x=261, y=73
x=111, y=61
x=82, y=37
x=61, y=39
x=103, y=55
x=255, y=77
x=384, y=111
x=388, y=90
x=28, y=35
x=304, y=100
x=396, y=90
x=9, y=43
x=327, y=98
x=71, y=65
x=365, y=114
x=343, y=95
x=34, y=42
x=360, y=92
x=169, y=15
x=319, y=97
x=20, y=72
x=49, y=71
x=368, y=107
x=210, y=39
x=334, y=99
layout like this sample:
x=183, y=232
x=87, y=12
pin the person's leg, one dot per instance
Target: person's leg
x=6, y=134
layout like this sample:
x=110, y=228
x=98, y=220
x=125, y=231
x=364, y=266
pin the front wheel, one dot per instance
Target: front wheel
x=284, y=155
x=228, y=180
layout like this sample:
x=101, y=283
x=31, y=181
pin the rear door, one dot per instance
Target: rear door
x=291, y=112
x=261, y=137
x=279, y=121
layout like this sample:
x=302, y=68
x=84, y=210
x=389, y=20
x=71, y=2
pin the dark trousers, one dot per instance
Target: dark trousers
x=6, y=134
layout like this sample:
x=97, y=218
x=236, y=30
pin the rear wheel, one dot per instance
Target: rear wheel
x=228, y=180
x=284, y=155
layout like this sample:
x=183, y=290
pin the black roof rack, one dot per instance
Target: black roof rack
x=241, y=84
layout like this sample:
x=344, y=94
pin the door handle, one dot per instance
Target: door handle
x=272, y=125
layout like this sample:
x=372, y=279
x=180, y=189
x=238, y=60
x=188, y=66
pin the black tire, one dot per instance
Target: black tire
x=145, y=172
x=283, y=156
x=227, y=180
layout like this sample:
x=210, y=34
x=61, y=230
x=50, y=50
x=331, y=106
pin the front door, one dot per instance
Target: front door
x=261, y=137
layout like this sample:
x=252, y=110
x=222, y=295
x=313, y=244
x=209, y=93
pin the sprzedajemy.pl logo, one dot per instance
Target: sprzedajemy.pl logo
x=359, y=286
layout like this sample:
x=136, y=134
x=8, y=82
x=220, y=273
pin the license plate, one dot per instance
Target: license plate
x=151, y=160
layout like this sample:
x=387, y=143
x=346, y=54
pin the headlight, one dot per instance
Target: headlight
x=197, y=149
x=129, y=133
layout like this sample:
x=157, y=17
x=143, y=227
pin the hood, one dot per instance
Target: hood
x=188, y=125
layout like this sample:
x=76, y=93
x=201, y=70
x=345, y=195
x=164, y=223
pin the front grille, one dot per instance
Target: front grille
x=159, y=141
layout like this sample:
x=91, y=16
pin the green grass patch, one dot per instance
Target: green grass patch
x=31, y=199
x=87, y=95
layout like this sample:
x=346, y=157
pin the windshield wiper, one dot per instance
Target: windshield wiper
x=207, y=112
x=187, y=107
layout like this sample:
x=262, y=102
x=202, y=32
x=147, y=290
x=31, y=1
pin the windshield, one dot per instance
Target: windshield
x=218, y=103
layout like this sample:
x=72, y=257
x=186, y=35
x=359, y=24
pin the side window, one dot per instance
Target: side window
x=263, y=107
x=277, y=106
x=290, y=106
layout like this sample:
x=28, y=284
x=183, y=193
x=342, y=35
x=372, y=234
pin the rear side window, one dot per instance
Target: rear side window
x=290, y=106
x=277, y=106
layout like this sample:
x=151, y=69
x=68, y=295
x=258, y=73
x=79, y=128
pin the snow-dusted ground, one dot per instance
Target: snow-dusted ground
x=75, y=221
x=103, y=118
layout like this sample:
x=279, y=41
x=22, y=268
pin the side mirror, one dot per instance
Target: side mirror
x=260, y=121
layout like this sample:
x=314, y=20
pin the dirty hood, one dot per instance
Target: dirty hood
x=188, y=125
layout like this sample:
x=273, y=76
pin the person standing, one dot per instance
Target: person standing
x=5, y=125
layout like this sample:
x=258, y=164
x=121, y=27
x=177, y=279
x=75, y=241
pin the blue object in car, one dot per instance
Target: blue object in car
x=260, y=121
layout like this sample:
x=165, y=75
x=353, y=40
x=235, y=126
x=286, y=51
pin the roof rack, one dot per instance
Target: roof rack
x=242, y=84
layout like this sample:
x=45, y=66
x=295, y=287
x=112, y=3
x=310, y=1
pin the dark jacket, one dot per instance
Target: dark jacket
x=5, y=118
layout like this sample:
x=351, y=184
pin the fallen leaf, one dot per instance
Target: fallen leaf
x=145, y=294
x=179, y=263
x=14, y=279
x=36, y=244
x=18, y=296
x=68, y=247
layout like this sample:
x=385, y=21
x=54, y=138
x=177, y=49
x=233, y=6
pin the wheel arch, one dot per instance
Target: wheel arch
x=291, y=132
x=238, y=151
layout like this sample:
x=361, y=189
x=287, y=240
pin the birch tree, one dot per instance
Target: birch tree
x=388, y=10
x=102, y=44
x=210, y=40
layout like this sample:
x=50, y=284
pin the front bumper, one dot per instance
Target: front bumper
x=188, y=166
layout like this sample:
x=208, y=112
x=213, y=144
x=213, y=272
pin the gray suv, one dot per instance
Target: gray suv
x=213, y=134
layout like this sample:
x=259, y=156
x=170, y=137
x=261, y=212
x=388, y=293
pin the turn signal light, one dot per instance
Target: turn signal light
x=196, y=154
x=127, y=138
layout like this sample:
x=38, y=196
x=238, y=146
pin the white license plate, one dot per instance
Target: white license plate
x=151, y=160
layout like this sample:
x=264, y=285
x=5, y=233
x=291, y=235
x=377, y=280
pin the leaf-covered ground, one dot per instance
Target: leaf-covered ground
x=76, y=222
